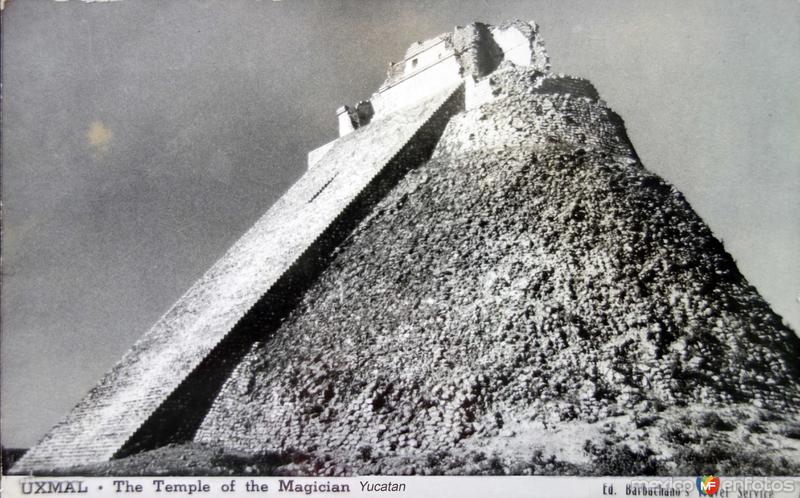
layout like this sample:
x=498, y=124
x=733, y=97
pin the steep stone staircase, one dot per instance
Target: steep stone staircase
x=160, y=390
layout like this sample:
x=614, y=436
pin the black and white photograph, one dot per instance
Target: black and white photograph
x=337, y=238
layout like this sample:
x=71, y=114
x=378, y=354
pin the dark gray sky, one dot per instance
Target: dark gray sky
x=142, y=137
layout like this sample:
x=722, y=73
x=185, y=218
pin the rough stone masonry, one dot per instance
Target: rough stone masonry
x=480, y=277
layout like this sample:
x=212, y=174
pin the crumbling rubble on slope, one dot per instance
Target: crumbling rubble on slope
x=530, y=292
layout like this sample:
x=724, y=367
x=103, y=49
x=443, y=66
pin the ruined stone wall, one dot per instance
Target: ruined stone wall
x=160, y=390
x=521, y=44
x=538, y=112
x=568, y=85
x=478, y=53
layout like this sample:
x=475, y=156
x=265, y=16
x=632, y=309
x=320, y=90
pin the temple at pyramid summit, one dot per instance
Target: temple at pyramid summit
x=477, y=276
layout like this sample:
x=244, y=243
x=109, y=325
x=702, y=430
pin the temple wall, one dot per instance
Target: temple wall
x=315, y=155
x=403, y=93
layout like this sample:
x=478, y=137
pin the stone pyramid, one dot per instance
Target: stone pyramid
x=478, y=276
